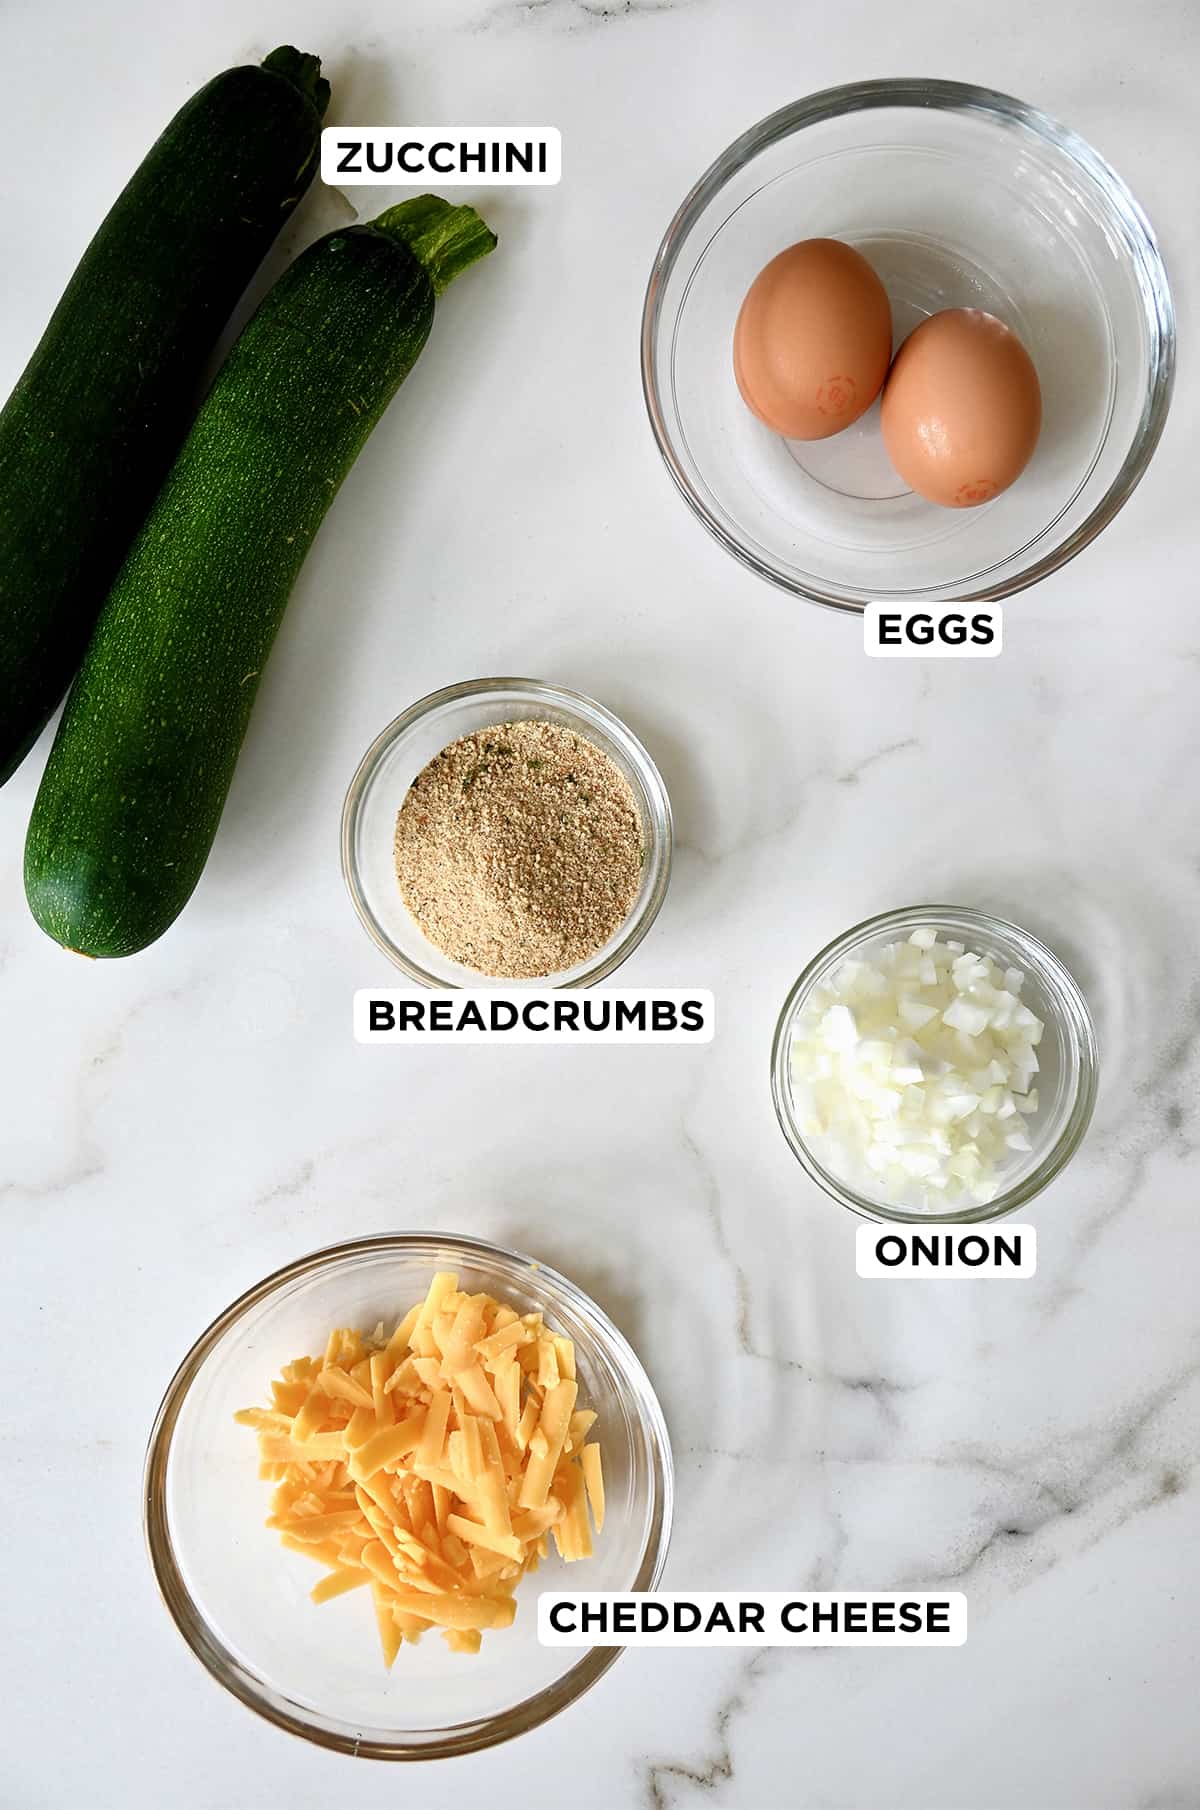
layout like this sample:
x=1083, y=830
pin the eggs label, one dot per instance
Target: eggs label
x=946, y=1253
x=772, y=1618
x=448, y=156
x=536, y=1015
x=933, y=631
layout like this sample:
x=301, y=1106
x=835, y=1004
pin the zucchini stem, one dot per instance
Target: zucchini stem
x=445, y=239
x=303, y=72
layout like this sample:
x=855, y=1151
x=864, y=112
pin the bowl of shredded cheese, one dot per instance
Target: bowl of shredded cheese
x=368, y=1467
x=934, y=1064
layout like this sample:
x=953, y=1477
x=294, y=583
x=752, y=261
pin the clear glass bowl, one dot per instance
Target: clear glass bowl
x=959, y=197
x=241, y=1600
x=1066, y=1082
x=393, y=761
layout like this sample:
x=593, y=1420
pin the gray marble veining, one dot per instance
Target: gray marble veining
x=177, y=1126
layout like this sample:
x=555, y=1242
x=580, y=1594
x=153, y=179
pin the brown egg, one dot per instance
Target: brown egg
x=962, y=408
x=812, y=340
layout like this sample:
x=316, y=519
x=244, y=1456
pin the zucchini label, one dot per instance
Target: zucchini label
x=445, y=156
x=485, y=1015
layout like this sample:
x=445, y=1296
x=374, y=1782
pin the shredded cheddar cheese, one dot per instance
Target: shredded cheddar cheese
x=431, y=1466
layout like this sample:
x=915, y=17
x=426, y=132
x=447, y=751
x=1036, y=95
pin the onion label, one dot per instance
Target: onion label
x=933, y=631
x=946, y=1253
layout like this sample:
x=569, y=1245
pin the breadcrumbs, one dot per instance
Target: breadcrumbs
x=519, y=850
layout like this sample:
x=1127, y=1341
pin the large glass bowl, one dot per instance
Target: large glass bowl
x=960, y=197
x=241, y=1600
x=398, y=754
x=1066, y=1081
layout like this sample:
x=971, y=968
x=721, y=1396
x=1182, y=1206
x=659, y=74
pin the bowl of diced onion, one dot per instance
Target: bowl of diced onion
x=298, y=1641
x=934, y=1064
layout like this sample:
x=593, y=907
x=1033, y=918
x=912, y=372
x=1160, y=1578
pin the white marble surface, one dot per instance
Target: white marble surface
x=177, y=1125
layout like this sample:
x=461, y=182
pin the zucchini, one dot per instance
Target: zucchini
x=137, y=777
x=89, y=431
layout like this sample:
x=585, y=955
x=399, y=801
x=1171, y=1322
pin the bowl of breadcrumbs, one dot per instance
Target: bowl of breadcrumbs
x=505, y=831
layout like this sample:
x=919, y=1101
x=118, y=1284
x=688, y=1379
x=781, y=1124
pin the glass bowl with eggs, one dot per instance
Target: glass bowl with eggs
x=907, y=340
x=934, y=1065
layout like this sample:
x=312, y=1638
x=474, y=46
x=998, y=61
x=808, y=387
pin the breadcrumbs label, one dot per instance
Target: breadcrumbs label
x=485, y=1015
x=823, y=1618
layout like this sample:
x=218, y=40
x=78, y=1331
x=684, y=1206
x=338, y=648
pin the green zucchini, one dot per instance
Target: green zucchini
x=137, y=777
x=89, y=431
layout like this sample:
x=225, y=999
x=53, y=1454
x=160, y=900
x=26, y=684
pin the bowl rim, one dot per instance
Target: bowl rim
x=929, y=94
x=659, y=830
x=460, y=1738
x=1077, y=1019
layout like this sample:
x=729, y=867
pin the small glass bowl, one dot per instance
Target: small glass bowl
x=398, y=754
x=1066, y=1081
x=240, y=1599
x=959, y=197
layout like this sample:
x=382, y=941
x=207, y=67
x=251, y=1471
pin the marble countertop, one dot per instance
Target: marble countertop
x=177, y=1125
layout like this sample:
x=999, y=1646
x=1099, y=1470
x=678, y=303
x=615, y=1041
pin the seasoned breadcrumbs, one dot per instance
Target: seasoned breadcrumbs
x=519, y=850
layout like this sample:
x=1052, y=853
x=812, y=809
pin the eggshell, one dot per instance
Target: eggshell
x=812, y=340
x=962, y=408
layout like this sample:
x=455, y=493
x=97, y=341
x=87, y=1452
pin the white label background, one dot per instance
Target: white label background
x=936, y=649
x=868, y=1264
x=773, y=1602
x=335, y=139
x=542, y=1002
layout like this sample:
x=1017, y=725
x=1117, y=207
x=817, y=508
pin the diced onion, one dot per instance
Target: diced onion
x=914, y=1070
